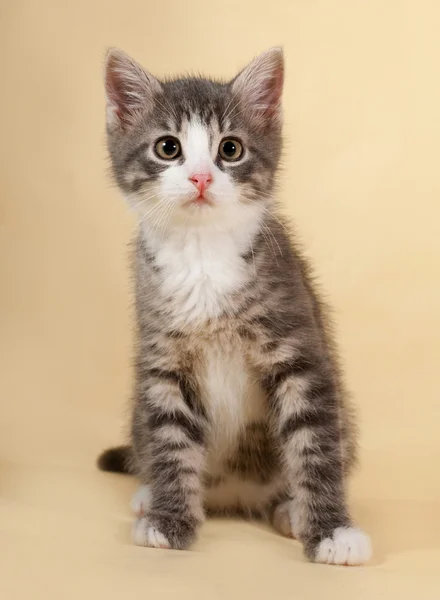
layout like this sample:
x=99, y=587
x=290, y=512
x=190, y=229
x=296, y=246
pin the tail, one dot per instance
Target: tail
x=116, y=460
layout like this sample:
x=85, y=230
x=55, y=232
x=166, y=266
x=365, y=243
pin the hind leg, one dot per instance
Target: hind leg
x=284, y=519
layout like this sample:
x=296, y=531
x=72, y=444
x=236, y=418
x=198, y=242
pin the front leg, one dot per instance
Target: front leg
x=305, y=416
x=168, y=434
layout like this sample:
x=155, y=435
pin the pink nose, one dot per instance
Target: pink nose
x=201, y=181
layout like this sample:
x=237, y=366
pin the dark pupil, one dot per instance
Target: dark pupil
x=169, y=147
x=229, y=149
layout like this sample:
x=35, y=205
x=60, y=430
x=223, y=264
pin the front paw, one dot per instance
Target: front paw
x=164, y=531
x=145, y=534
x=347, y=546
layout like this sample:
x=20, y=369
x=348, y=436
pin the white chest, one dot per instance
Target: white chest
x=199, y=272
x=231, y=395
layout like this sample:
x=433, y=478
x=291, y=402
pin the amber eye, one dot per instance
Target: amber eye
x=231, y=150
x=167, y=148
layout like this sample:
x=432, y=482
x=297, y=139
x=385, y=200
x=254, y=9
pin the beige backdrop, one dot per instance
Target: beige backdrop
x=361, y=179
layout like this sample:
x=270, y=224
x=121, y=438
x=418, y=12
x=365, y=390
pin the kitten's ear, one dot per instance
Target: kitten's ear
x=260, y=86
x=129, y=89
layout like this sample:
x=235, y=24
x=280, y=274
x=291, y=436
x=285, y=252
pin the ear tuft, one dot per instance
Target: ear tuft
x=129, y=88
x=260, y=85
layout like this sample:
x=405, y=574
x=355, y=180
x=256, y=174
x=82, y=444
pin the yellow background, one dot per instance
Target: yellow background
x=361, y=179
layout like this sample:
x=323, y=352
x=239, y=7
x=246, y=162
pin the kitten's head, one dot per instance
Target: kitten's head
x=193, y=149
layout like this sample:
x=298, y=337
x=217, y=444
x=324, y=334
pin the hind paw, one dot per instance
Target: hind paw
x=285, y=520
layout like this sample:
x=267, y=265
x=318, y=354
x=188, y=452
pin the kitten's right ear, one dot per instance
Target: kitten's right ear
x=129, y=89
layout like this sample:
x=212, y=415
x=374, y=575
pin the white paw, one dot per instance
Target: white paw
x=141, y=500
x=348, y=546
x=146, y=535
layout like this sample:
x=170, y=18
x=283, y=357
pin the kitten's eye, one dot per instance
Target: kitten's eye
x=231, y=150
x=167, y=148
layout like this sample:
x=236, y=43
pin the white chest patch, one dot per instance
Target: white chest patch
x=199, y=272
x=232, y=397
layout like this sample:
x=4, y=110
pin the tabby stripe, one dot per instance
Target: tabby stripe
x=173, y=504
x=312, y=420
x=193, y=430
x=170, y=468
x=249, y=255
x=137, y=183
x=175, y=334
x=246, y=333
x=172, y=446
x=270, y=346
x=245, y=306
x=282, y=326
x=323, y=387
x=135, y=155
x=163, y=374
x=281, y=371
x=190, y=397
x=324, y=451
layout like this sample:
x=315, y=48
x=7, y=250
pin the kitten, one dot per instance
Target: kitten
x=238, y=405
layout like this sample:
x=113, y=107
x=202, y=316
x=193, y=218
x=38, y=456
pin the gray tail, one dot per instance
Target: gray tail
x=116, y=460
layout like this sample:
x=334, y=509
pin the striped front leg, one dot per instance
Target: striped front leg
x=168, y=434
x=304, y=413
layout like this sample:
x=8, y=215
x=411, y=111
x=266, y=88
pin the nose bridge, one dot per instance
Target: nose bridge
x=198, y=152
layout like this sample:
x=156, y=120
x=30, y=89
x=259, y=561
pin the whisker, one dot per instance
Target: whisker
x=269, y=243
x=166, y=206
x=150, y=212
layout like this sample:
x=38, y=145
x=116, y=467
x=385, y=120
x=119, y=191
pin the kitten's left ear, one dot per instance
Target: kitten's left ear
x=260, y=85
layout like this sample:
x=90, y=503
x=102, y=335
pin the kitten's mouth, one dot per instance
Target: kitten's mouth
x=200, y=200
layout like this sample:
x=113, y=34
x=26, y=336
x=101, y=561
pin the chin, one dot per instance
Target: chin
x=205, y=213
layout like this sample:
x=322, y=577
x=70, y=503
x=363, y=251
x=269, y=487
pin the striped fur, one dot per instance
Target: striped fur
x=239, y=406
